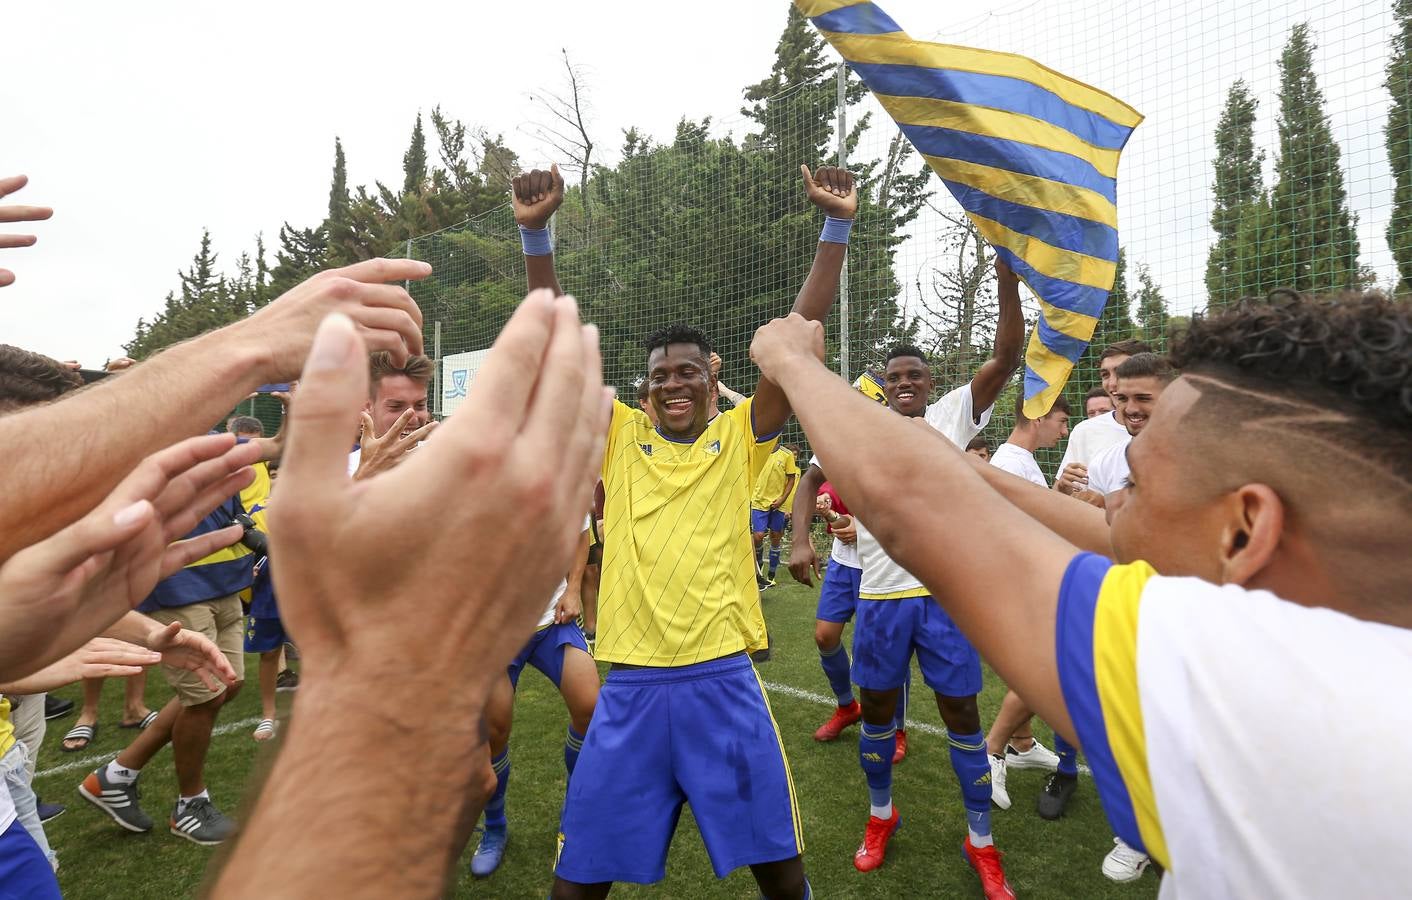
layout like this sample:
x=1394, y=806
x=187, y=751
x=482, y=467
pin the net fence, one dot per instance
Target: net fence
x=1262, y=163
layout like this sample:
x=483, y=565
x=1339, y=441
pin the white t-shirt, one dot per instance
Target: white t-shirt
x=353, y=459
x=884, y=579
x=842, y=553
x=548, y=617
x=1168, y=679
x=1017, y=460
x=1108, y=471
x=1090, y=436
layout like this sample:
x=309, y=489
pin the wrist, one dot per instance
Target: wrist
x=535, y=241
x=244, y=356
x=837, y=230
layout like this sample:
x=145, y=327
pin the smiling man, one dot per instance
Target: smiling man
x=395, y=418
x=1270, y=491
x=1138, y=383
x=683, y=717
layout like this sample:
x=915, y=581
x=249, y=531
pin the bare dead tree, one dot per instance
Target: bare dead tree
x=565, y=128
x=953, y=298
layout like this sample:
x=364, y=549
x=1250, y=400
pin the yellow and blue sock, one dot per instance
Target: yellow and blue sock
x=876, y=745
x=573, y=743
x=774, y=559
x=972, y=766
x=1068, y=756
x=495, y=807
x=835, y=663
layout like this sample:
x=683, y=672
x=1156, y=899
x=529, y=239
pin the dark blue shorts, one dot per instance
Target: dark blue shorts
x=839, y=596
x=887, y=632
x=544, y=653
x=661, y=737
x=264, y=635
x=763, y=520
x=24, y=872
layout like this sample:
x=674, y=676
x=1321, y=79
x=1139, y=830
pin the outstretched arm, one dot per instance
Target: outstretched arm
x=536, y=196
x=1075, y=521
x=995, y=372
x=832, y=190
x=942, y=522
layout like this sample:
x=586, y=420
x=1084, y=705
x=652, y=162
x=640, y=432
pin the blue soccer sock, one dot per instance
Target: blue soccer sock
x=774, y=559
x=835, y=663
x=903, y=696
x=808, y=891
x=972, y=766
x=573, y=743
x=876, y=745
x=1068, y=756
x=495, y=807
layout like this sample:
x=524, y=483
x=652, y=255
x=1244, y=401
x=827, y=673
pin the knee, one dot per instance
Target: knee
x=878, y=707
x=232, y=692
x=960, y=714
x=827, y=635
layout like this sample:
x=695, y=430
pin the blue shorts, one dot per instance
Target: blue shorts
x=887, y=632
x=543, y=651
x=264, y=635
x=763, y=520
x=25, y=874
x=839, y=597
x=661, y=737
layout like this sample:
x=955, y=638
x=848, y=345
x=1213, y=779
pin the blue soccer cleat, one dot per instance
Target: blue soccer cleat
x=490, y=851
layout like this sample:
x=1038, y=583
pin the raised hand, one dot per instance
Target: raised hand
x=383, y=312
x=101, y=657
x=778, y=343
x=182, y=648
x=379, y=454
x=59, y=593
x=536, y=195
x=16, y=213
x=831, y=189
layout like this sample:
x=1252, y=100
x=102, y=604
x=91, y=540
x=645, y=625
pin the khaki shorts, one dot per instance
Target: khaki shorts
x=223, y=623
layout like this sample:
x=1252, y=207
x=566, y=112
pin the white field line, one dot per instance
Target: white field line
x=773, y=687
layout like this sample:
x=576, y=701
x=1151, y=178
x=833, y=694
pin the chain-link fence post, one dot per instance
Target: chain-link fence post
x=843, y=276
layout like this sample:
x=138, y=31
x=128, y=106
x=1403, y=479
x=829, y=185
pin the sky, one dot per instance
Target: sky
x=142, y=124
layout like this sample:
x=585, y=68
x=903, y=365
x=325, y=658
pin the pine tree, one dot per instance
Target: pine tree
x=1398, y=134
x=414, y=161
x=1115, y=324
x=1151, y=310
x=1319, y=246
x=338, y=197
x=301, y=253
x=1238, y=184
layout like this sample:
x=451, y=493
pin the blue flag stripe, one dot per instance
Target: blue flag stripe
x=994, y=91
x=1067, y=346
x=1012, y=156
x=1065, y=232
x=1064, y=294
x=864, y=18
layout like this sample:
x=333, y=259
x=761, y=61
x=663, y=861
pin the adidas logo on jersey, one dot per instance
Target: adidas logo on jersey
x=646, y=449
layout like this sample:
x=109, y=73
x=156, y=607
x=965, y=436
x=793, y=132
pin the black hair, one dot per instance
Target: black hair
x=678, y=334
x=28, y=378
x=908, y=350
x=1146, y=365
x=1125, y=348
x=246, y=425
x=1094, y=393
x=979, y=442
x=1061, y=404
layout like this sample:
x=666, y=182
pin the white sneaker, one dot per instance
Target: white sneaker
x=998, y=795
x=1037, y=757
x=1123, y=863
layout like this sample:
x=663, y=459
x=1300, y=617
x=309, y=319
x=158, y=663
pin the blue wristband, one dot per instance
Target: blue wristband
x=836, y=231
x=535, y=241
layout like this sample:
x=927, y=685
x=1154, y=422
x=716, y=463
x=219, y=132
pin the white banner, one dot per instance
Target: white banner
x=457, y=373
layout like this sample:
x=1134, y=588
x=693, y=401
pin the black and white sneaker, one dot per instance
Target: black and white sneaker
x=201, y=823
x=119, y=801
x=286, y=681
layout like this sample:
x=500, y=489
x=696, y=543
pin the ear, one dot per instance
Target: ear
x=1252, y=532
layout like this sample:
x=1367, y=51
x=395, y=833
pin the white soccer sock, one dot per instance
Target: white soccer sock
x=981, y=840
x=182, y=801
x=882, y=812
x=121, y=774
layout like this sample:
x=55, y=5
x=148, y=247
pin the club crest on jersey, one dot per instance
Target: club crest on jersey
x=646, y=449
x=713, y=448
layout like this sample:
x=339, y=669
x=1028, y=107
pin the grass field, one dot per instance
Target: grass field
x=1050, y=859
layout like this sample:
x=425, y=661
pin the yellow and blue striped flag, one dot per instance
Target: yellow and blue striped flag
x=1030, y=154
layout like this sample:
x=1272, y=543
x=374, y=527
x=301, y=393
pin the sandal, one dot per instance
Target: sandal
x=86, y=733
x=265, y=730
x=141, y=724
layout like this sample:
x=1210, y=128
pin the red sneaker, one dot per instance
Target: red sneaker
x=873, y=850
x=986, y=862
x=900, y=753
x=842, y=717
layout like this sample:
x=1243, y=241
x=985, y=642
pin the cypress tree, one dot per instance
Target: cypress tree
x=1238, y=184
x=1398, y=134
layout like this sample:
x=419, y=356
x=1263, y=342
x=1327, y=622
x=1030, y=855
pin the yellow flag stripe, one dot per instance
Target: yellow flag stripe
x=1027, y=190
x=1049, y=260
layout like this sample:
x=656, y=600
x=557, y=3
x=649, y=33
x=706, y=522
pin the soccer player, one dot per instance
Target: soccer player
x=772, y=489
x=897, y=619
x=1097, y=402
x=1275, y=610
x=1099, y=432
x=683, y=717
x=1139, y=381
x=979, y=446
x=558, y=650
x=1011, y=740
x=396, y=417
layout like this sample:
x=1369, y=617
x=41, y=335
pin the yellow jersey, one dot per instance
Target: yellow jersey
x=7, y=728
x=770, y=485
x=678, y=584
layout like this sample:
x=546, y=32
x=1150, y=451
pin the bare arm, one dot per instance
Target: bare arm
x=59, y=466
x=1073, y=520
x=995, y=372
x=735, y=397
x=831, y=189
x=536, y=196
x=788, y=484
x=803, y=559
x=943, y=523
x=571, y=604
